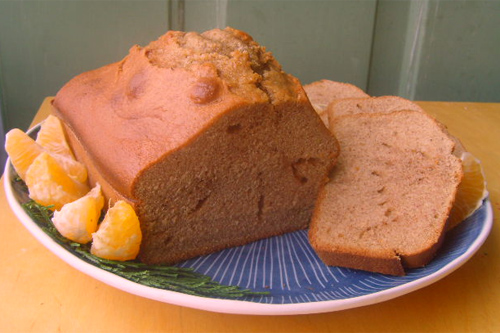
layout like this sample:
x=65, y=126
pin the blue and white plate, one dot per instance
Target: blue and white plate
x=286, y=267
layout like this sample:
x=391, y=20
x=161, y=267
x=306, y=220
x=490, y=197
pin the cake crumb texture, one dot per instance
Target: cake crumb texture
x=386, y=206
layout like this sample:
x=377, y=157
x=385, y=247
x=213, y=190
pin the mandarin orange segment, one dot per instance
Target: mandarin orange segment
x=72, y=167
x=49, y=185
x=119, y=235
x=22, y=150
x=471, y=191
x=51, y=137
x=77, y=220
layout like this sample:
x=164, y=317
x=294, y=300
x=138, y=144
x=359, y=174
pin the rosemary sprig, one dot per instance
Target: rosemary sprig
x=180, y=279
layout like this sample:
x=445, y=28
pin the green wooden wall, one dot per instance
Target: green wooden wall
x=45, y=43
x=422, y=49
x=437, y=50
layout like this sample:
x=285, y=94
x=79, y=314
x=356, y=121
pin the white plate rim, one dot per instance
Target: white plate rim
x=239, y=306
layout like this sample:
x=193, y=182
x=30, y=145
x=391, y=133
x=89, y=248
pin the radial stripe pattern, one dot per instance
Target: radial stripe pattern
x=290, y=270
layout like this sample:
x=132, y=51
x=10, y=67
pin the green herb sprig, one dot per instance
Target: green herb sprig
x=181, y=279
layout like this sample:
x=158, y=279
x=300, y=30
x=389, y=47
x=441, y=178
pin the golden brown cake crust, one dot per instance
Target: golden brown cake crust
x=155, y=107
x=206, y=135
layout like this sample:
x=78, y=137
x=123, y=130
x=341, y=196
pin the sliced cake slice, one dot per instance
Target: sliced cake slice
x=349, y=106
x=381, y=104
x=323, y=92
x=387, y=203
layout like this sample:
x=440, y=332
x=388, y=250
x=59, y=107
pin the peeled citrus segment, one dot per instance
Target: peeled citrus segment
x=51, y=137
x=72, y=167
x=471, y=191
x=77, y=220
x=119, y=235
x=48, y=183
x=22, y=150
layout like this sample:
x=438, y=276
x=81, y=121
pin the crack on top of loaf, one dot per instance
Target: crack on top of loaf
x=245, y=67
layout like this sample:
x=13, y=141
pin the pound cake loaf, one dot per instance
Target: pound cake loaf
x=386, y=206
x=205, y=135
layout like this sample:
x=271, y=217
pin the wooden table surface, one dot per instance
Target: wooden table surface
x=41, y=293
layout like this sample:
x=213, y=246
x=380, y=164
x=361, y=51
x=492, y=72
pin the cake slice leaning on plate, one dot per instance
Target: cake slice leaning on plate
x=386, y=206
